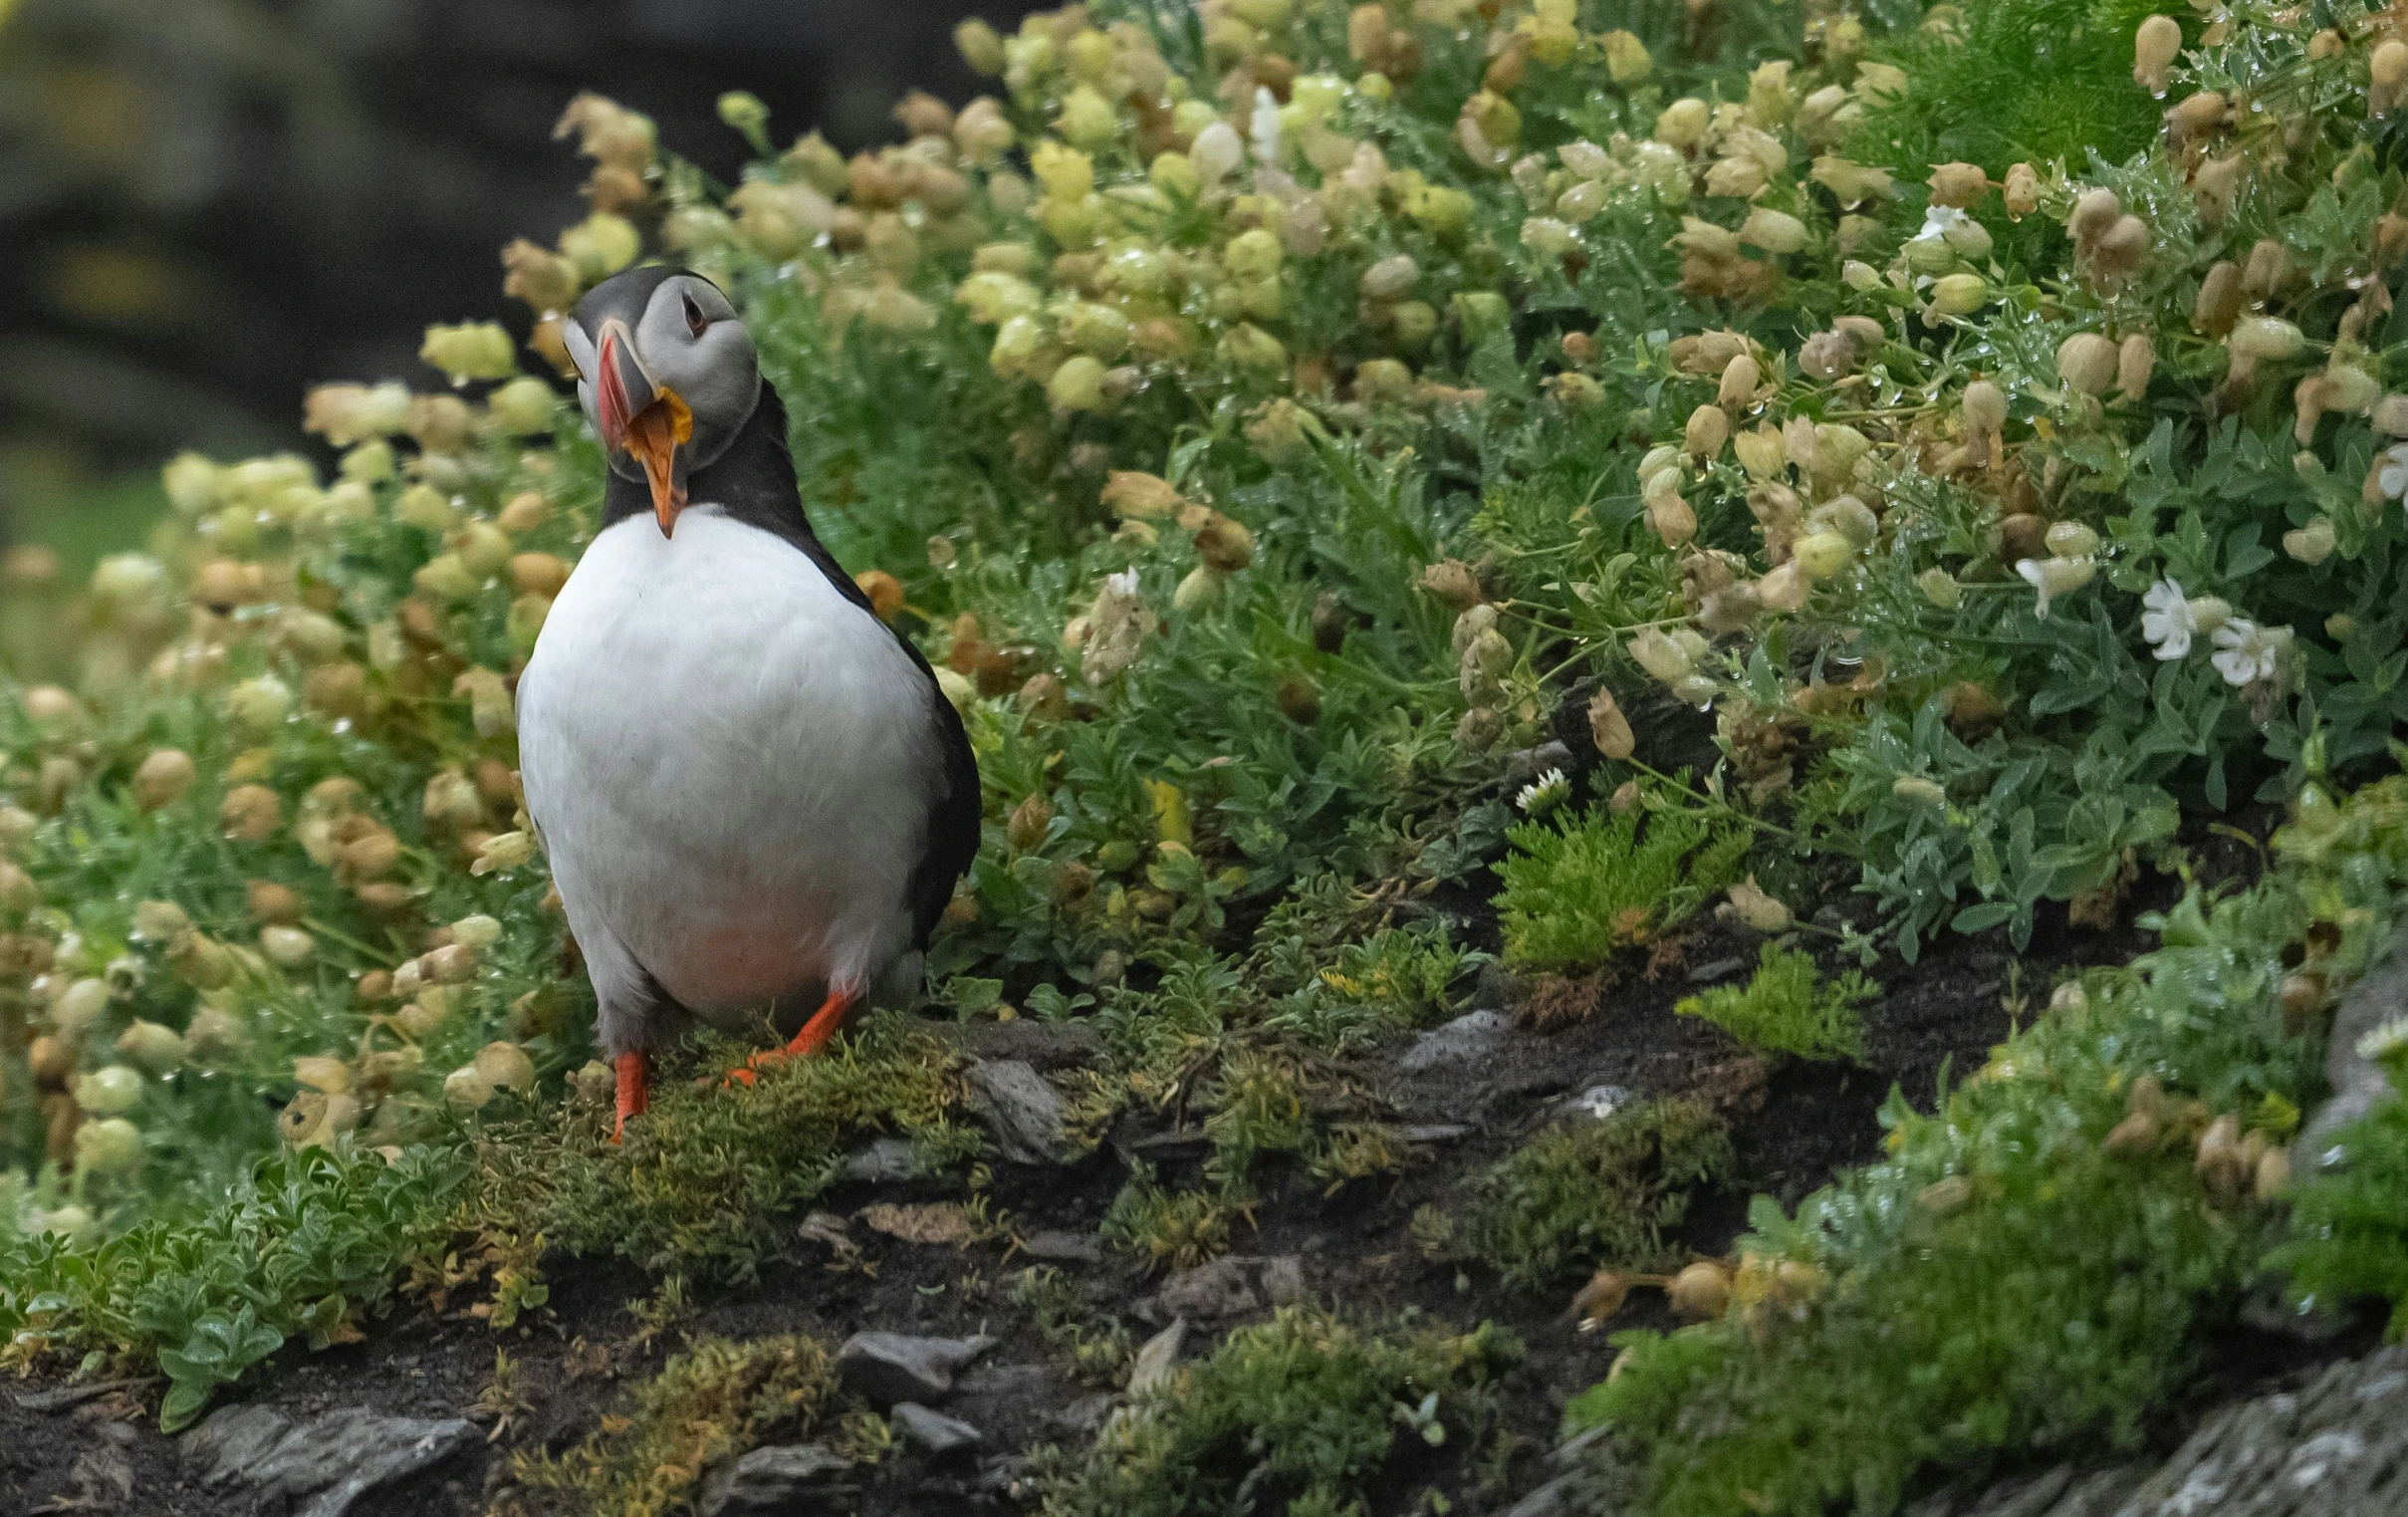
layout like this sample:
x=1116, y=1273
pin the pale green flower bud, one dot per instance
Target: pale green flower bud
x=1940, y=588
x=474, y=350
x=1915, y=788
x=523, y=408
x=113, y=1148
x=150, y=1046
x=259, y=704
x=109, y=1091
x=1959, y=294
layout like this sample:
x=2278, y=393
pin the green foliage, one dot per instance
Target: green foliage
x=702, y=1186
x=307, y=1247
x=1787, y=1007
x=1296, y=1415
x=1577, y=890
x=708, y=1405
x=1601, y=1192
x=1056, y=1303
x=2349, y=1235
x=1163, y=1229
x=2006, y=1279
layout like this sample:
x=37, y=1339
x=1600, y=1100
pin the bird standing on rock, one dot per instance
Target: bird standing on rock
x=752, y=789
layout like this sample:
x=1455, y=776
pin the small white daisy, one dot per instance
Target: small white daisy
x=2250, y=651
x=2166, y=622
x=1543, y=794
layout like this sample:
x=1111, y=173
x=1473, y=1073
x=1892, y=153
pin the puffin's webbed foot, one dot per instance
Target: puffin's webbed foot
x=634, y=1071
x=815, y=1035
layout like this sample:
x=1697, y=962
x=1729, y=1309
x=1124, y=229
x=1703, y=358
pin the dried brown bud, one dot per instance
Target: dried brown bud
x=884, y=592
x=163, y=778
x=1300, y=700
x=1029, y=820
x=2220, y=300
x=2022, y=190
x=251, y=814
x=1958, y=184
x=1452, y=581
x=1608, y=729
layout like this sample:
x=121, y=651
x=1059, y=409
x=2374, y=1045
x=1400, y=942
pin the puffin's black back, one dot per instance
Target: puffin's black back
x=754, y=482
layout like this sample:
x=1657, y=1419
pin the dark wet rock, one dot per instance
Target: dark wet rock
x=1718, y=969
x=1060, y=1246
x=1435, y=1132
x=331, y=1460
x=883, y=1162
x=1232, y=1286
x=1043, y=1046
x=936, y=1435
x=889, y=1367
x=1023, y=1110
x=2358, y=1084
x=1471, y=1039
x=801, y=1479
x=66, y=1396
x=1082, y=1417
x=1016, y=1385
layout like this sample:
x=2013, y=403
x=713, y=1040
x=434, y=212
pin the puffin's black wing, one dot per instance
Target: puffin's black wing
x=952, y=821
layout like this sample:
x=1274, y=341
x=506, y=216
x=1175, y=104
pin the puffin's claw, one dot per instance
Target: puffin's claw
x=814, y=1036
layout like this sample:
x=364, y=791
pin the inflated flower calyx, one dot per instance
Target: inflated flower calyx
x=2071, y=540
x=2085, y=361
x=1741, y=378
x=2312, y=544
x=1824, y=553
x=1958, y=184
x=109, y=1091
x=2135, y=362
x=110, y=1148
x=1850, y=518
x=1661, y=657
x=1608, y=729
x=2196, y=116
x=2154, y=48
x=1699, y=1292
x=2022, y=190
x=2218, y=307
x=1452, y=581
x=2266, y=339
x=2386, y=77
x=163, y=778
x=1959, y=294
x=150, y=1046
x=1752, y=906
x=1709, y=428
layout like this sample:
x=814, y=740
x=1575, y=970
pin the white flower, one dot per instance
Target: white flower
x=1545, y=794
x=2167, y=622
x=2388, y=1041
x=2393, y=477
x=1264, y=129
x=1938, y=219
x=2055, y=576
x=2250, y=650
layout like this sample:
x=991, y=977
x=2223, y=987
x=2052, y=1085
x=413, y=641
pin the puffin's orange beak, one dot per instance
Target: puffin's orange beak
x=649, y=422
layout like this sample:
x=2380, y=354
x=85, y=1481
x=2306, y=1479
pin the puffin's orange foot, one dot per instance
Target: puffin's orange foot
x=814, y=1036
x=634, y=1069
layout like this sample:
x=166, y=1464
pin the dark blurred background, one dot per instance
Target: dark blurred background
x=207, y=205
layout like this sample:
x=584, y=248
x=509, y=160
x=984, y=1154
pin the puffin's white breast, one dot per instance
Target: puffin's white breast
x=731, y=765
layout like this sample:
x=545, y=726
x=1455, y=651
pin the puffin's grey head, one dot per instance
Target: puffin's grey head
x=667, y=374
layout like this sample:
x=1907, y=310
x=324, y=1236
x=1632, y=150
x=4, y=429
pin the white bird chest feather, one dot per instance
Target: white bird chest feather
x=731, y=766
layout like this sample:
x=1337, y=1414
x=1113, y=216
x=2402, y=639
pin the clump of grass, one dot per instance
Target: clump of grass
x=704, y=1177
x=711, y=1403
x=1576, y=893
x=1159, y=1228
x=1093, y=1355
x=1604, y=1191
x=1295, y=1415
x=1789, y=1008
x=307, y=1245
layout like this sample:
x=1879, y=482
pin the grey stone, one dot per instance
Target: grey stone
x=2358, y=1084
x=1044, y=1046
x=941, y=1436
x=1232, y=1286
x=801, y=1479
x=1469, y=1039
x=332, y=1460
x=1553, y=1499
x=1082, y=1417
x=1023, y=1112
x=1437, y=1132
x=891, y=1366
x=1061, y=1246
x=884, y=1162
x=1157, y=1359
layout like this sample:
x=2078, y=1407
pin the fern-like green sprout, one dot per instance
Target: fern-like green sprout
x=1789, y=1008
x=1576, y=893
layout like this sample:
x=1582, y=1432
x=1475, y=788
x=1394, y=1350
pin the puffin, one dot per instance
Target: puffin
x=753, y=791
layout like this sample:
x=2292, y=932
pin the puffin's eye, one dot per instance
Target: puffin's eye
x=695, y=321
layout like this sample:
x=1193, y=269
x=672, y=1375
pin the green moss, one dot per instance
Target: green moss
x=1789, y=1008
x=1576, y=892
x=2349, y=1232
x=705, y=1180
x=708, y=1405
x=1093, y=1355
x=1161, y=1228
x=1601, y=1192
x=1296, y=1415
